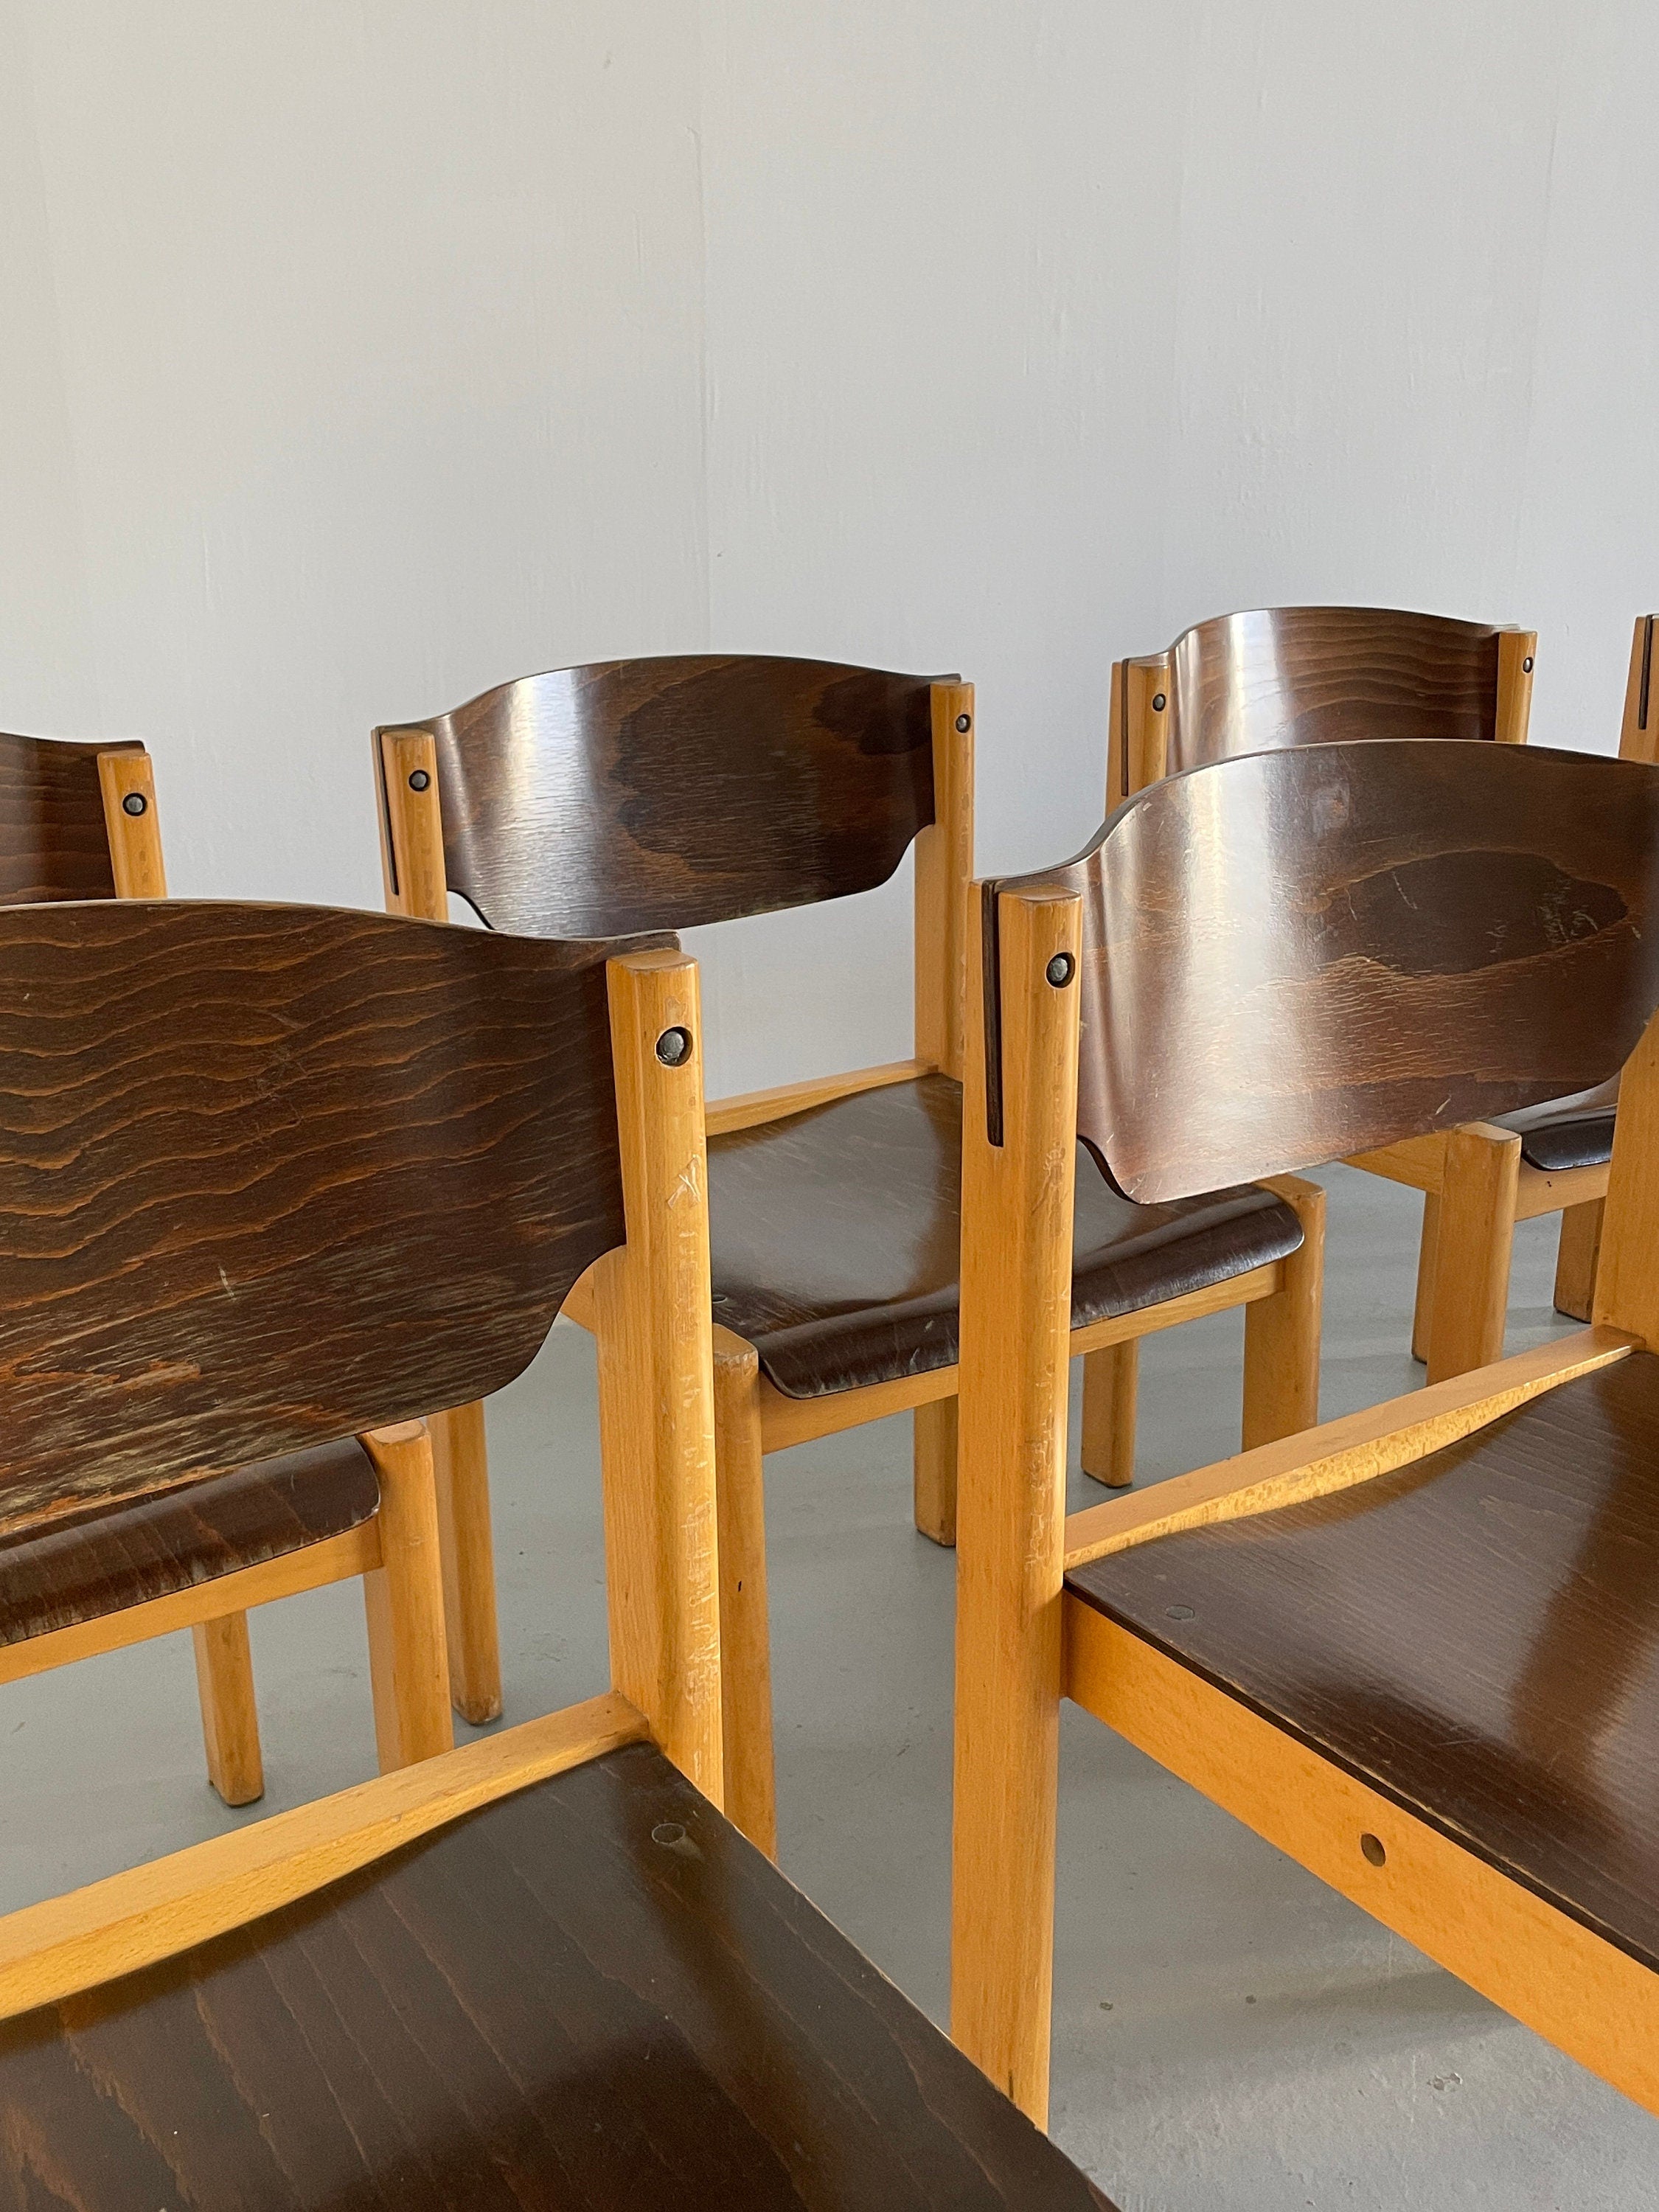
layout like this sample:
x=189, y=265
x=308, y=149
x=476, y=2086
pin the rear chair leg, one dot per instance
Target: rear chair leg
x=1112, y=1378
x=1576, y=1260
x=1427, y=1254
x=1478, y=1190
x=1281, y=1332
x=745, y=1644
x=403, y=1598
x=467, y=1548
x=934, y=1460
x=230, y=1723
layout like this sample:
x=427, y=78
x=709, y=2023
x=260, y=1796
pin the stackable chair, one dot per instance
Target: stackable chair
x=657, y=794
x=1295, y=675
x=1414, y=1649
x=268, y=1175
x=84, y=1571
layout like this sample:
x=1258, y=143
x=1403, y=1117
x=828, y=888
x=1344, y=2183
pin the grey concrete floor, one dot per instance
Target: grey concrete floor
x=1228, y=2033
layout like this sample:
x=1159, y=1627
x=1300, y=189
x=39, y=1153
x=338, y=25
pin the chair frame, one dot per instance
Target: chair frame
x=1474, y=1182
x=1022, y=1643
x=658, y=1480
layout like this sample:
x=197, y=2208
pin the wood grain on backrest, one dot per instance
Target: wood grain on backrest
x=1297, y=676
x=274, y=1174
x=1298, y=955
x=53, y=842
x=657, y=794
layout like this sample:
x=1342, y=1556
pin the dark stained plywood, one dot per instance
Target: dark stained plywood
x=53, y=843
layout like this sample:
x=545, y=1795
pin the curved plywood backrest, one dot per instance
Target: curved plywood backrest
x=636, y=795
x=1297, y=676
x=1298, y=955
x=53, y=842
x=270, y=1175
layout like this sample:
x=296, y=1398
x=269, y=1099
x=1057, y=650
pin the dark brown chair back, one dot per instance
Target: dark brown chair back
x=1299, y=676
x=270, y=1175
x=639, y=795
x=53, y=841
x=1298, y=955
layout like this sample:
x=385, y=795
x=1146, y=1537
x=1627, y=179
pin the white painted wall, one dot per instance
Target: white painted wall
x=358, y=357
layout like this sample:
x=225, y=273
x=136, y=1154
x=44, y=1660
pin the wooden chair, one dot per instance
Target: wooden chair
x=1293, y=675
x=1413, y=1649
x=657, y=794
x=352, y=1165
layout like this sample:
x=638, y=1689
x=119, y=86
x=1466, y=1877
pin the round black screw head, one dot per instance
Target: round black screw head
x=674, y=1047
x=1372, y=1846
x=964, y=723
x=1526, y=665
x=418, y=779
x=1061, y=970
x=135, y=804
x=669, y=1832
x=1159, y=703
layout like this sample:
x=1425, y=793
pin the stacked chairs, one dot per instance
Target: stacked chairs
x=657, y=794
x=87, y=1563
x=1413, y=1649
x=355, y=1165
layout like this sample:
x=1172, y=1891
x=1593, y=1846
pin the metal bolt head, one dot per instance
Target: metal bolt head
x=418, y=779
x=1061, y=970
x=1179, y=1612
x=135, y=804
x=1526, y=665
x=674, y=1047
x=1159, y=703
x=964, y=723
x=669, y=1832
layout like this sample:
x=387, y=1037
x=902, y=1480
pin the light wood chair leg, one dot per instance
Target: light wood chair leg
x=1476, y=1238
x=1281, y=1333
x=230, y=1723
x=403, y=1598
x=467, y=1548
x=934, y=1460
x=1427, y=1251
x=745, y=1638
x=1576, y=1258
x=1111, y=1383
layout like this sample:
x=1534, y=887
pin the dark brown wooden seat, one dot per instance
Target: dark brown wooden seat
x=82, y=1565
x=1476, y=1635
x=593, y=1994
x=836, y=1239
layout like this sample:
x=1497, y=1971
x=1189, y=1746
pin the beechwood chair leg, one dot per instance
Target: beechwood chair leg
x=230, y=1721
x=933, y=1457
x=1281, y=1333
x=461, y=1466
x=1427, y=1251
x=1111, y=1379
x=1475, y=1243
x=404, y=1600
x=745, y=1646
x=1576, y=1258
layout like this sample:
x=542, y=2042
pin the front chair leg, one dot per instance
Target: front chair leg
x=1478, y=1190
x=1111, y=1379
x=467, y=1548
x=933, y=1458
x=745, y=1635
x=1576, y=1258
x=403, y=1598
x=230, y=1723
x=1281, y=1332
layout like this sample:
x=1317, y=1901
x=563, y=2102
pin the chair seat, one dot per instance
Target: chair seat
x=1567, y=1132
x=87, y=1564
x=593, y=1994
x=1476, y=1636
x=836, y=1239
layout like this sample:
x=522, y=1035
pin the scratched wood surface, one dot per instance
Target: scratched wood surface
x=53, y=844
x=1298, y=955
x=654, y=794
x=271, y=1176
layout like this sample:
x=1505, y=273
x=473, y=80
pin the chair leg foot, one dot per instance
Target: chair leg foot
x=1427, y=1251
x=230, y=1723
x=746, y=1634
x=461, y=1469
x=404, y=1601
x=1111, y=1382
x=933, y=1466
x=1577, y=1258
